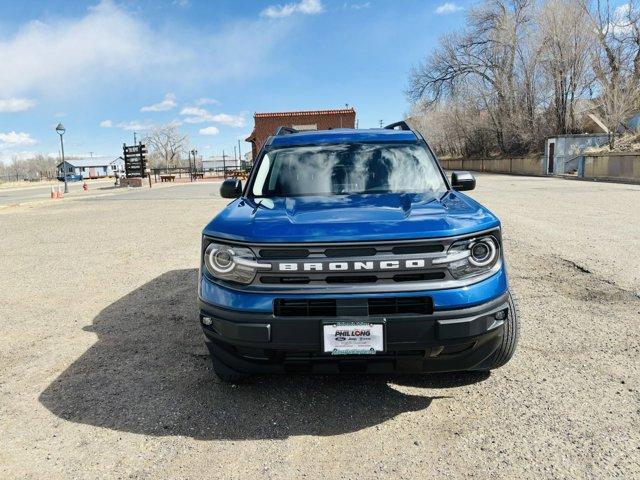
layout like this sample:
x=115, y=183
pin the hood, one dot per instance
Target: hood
x=350, y=218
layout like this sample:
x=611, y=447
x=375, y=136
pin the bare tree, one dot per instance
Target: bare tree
x=520, y=70
x=487, y=59
x=37, y=167
x=166, y=145
x=615, y=58
x=564, y=50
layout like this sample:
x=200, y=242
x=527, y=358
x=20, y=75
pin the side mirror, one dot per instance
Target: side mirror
x=231, y=188
x=462, y=181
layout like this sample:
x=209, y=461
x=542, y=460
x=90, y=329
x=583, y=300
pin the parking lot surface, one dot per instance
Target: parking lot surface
x=31, y=193
x=104, y=374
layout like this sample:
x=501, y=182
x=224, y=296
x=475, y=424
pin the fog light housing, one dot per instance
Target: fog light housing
x=207, y=321
x=501, y=315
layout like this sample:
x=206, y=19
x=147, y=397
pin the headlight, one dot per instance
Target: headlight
x=471, y=257
x=231, y=263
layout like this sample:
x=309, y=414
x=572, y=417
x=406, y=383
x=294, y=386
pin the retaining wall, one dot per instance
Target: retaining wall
x=516, y=166
x=612, y=166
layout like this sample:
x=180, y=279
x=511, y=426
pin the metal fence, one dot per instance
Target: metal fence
x=192, y=174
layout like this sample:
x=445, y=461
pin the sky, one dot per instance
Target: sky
x=108, y=68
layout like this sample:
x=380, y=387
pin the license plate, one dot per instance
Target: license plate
x=357, y=338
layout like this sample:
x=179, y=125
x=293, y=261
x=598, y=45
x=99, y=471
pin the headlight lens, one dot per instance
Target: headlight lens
x=231, y=263
x=474, y=256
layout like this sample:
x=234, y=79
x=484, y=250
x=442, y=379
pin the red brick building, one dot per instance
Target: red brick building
x=266, y=124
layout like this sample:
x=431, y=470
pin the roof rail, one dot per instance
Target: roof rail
x=285, y=130
x=402, y=124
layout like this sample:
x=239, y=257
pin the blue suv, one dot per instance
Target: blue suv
x=351, y=251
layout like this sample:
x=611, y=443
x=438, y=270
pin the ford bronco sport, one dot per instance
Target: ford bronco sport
x=351, y=251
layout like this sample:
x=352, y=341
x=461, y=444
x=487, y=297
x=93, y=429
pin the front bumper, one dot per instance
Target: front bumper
x=446, y=340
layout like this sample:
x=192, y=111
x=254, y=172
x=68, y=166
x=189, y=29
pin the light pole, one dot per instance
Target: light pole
x=192, y=170
x=60, y=131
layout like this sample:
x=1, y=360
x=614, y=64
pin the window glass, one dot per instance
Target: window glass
x=348, y=169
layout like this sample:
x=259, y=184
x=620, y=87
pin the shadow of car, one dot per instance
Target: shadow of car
x=149, y=373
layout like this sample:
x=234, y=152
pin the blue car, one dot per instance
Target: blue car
x=351, y=251
x=71, y=177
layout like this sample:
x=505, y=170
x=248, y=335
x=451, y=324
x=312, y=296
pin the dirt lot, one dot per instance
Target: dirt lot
x=103, y=372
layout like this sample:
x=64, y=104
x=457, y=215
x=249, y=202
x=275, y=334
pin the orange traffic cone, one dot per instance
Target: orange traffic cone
x=59, y=195
x=53, y=194
x=85, y=187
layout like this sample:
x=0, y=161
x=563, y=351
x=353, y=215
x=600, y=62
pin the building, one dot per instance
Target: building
x=94, y=167
x=216, y=163
x=266, y=124
x=562, y=152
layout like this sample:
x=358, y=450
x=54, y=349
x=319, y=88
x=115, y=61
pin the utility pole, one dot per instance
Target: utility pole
x=91, y=154
x=224, y=165
x=239, y=152
x=235, y=157
x=135, y=140
x=381, y=123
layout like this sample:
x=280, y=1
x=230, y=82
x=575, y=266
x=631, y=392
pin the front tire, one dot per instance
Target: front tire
x=510, y=335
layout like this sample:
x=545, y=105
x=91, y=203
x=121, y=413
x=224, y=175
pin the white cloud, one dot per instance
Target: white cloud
x=305, y=7
x=168, y=103
x=197, y=114
x=14, y=104
x=356, y=6
x=209, y=131
x=231, y=120
x=129, y=126
x=448, y=7
x=15, y=139
x=207, y=101
x=201, y=115
x=59, y=57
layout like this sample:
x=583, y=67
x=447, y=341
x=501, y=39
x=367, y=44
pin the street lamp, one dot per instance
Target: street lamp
x=60, y=131
x=192, y=170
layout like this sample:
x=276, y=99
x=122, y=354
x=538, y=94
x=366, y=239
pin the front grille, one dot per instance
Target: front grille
x=281, y=280
x=268, y=253
x=357, y=267
x=348, y=254
x=388, y=306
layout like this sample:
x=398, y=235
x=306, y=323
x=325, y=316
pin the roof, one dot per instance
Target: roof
x=304, y=113
x=343, y=135
x=92, y=162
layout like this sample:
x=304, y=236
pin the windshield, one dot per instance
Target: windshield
x=348, y=169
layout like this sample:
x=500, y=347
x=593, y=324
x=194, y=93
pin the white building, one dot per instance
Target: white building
x=94, y=167
x=216, y=163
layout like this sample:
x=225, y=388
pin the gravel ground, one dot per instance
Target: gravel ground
x=104, y=374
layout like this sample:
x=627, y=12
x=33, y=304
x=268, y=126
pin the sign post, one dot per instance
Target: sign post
x=135, y=164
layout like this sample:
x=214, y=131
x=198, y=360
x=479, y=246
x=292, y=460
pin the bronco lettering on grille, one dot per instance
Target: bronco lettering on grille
x=349, y=266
